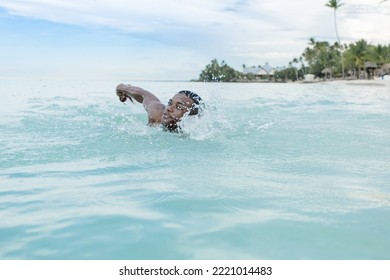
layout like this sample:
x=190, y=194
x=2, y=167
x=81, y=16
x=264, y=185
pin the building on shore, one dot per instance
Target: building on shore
x=264, y=71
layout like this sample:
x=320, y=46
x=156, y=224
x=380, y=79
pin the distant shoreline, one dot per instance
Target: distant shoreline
x=375, y=81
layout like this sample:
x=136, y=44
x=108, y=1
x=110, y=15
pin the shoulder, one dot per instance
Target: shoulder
x=155, y=111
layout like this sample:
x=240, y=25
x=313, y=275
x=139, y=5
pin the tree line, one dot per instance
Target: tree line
x=355, y=58
x=322, y=59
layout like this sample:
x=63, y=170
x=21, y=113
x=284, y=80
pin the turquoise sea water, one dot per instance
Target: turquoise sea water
x=271, y=171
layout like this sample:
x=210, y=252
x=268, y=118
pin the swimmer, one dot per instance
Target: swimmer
x=169, y=116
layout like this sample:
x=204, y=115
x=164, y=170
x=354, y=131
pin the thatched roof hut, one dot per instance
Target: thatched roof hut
x=386, y=68
x=326, y=71
x=370, y=65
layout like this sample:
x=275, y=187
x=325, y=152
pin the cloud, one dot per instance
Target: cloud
x=236, y=18
x=238, y=31
x=131, y=16
x=366, y=21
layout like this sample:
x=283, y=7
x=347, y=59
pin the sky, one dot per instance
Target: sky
x=170, y=39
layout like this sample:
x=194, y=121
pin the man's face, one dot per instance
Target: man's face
x=175, y=110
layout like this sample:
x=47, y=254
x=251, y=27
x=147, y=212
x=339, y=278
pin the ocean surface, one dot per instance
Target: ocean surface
x=270, y=171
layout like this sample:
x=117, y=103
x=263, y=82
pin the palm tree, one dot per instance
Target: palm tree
x=357, y=54
x=295, y=60
x=303, y=66
x=335, y=4
x=312, y=41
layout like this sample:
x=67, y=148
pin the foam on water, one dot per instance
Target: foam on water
x=280, y=171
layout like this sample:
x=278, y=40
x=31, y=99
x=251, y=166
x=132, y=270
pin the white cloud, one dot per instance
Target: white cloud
x=244, y=17
x=367, y=20
x=238, y=31
x=140, y=16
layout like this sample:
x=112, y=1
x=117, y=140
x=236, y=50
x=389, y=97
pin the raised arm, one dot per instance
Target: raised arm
x=151, y=103
x=142, y=96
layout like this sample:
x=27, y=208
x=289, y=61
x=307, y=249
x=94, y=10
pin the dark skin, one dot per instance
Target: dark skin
x=158, y=113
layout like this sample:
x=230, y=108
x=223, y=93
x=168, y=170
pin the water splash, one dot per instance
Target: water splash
x=212, y=124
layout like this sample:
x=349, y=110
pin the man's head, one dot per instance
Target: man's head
x=183, y=102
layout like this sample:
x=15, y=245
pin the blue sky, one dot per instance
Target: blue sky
x=170, y=39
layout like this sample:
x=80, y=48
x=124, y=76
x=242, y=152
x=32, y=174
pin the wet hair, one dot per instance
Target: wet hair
x=198, y=103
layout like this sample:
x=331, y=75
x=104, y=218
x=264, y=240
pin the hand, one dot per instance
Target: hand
x=121, y=92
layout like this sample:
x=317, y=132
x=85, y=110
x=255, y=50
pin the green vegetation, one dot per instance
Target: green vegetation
x=219, y=72
x=321, y=55
x=322, y=59
x=291, y=73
